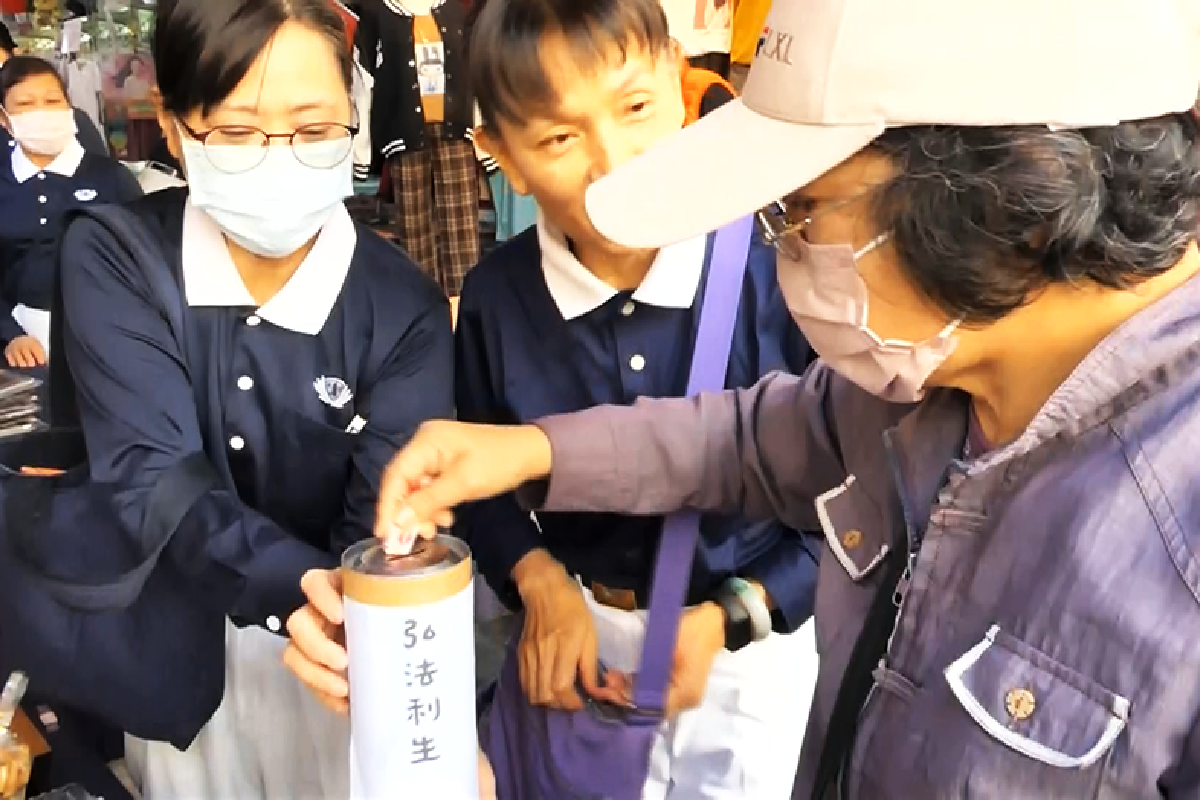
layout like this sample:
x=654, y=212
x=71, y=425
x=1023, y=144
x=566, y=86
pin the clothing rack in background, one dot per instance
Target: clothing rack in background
x=84, y=83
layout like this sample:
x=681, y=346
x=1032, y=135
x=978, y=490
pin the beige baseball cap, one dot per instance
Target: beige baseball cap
x=831, y=75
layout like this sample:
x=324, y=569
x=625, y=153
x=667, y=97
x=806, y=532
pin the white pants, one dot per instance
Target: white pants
x=743, y=740
x=270, y=738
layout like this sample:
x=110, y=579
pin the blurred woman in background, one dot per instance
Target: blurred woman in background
x=88, y=135
x=46, y=174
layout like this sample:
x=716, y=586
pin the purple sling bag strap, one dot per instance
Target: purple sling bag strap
x=603, y=752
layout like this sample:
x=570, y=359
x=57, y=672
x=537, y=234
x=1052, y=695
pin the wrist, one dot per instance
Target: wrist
x=535, y=570
x=747, y=619
x=753, y=598
x=714, y=617
x=762, y=593
x=538, y=455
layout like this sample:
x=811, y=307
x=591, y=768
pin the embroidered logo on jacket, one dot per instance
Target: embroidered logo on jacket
x=333, y=391
x=85, y=195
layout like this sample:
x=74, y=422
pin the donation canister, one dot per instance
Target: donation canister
x=410, y=637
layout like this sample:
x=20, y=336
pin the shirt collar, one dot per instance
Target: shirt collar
x=671, y=282
x=65, y=163
x=305, y=301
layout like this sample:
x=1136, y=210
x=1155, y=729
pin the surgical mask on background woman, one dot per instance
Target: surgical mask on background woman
x=273, y=207
x=43, y=131
x=829, y=302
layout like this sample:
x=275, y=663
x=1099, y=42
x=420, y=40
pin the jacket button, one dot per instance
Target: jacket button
x=273, y=624
x=852, y=539
x=1020, y=704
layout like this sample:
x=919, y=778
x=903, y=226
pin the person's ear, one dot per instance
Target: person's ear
x=675, y=50
x=168, y=125
x=489, y=143
x=674, y=58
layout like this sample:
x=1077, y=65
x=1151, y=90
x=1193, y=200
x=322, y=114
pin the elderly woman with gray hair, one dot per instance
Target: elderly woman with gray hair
x=986, y=223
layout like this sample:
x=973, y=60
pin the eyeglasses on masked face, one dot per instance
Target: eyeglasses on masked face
x=784, y=223
x=234, y=149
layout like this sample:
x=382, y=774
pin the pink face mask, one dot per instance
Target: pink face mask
x=828, y=300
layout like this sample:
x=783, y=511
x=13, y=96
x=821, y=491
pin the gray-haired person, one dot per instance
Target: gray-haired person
x=986, y=222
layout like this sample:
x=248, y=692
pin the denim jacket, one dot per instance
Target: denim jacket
x=1047, y=633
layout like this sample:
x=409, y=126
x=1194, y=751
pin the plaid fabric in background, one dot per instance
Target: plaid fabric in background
x=437, y=207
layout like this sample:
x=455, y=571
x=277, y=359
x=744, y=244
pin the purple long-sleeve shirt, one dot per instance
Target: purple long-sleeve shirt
x=1047, y=632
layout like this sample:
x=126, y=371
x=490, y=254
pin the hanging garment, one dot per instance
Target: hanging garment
x=437, y=208
x=83, y=86
x=361, y=92
x=700, y=26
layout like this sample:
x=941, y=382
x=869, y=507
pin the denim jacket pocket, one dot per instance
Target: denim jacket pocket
x=854, y=528
x=1034, y=705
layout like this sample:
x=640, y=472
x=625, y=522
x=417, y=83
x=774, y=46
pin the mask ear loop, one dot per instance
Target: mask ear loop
x=866, y=306
x=871, y=245
x=941, y=336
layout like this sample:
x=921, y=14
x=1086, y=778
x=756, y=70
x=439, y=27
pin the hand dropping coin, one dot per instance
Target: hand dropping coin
x=404, y=529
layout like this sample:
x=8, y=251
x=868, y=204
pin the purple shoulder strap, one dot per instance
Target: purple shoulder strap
x=681, y=530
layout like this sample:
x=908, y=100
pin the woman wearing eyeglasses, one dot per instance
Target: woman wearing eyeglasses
x=313, y=350
x=998, y=268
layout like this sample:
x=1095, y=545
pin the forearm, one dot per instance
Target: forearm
x=761, y=452
x=240, y=562
x=500, y=535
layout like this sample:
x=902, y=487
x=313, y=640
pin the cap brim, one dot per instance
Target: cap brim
x=731, y=163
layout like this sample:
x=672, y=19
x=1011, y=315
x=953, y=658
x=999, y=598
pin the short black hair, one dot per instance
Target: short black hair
x=983, y=218
x=204, y=48
x=7, y=43
x=505, y=59
x=19, y=69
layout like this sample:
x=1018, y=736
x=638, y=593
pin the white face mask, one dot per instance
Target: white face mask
x=45, y=132
x=275, y=208
x=829, y=302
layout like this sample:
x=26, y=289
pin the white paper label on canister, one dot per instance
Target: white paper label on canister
x=412, y=700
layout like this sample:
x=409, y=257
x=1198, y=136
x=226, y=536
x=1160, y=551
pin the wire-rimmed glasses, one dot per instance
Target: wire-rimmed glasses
x=781, y=228
x=234, y=149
